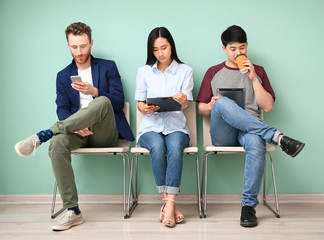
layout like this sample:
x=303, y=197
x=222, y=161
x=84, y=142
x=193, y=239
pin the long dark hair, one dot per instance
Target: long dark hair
x=156, y=33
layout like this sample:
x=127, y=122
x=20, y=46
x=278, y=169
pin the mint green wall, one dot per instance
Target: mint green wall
x=286, y=37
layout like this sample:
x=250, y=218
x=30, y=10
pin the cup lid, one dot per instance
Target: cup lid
x=240, y=55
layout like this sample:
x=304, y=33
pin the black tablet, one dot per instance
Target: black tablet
x=237, y=94
x=166, y=104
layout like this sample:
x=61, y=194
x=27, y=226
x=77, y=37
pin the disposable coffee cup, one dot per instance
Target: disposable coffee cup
x=239, y=60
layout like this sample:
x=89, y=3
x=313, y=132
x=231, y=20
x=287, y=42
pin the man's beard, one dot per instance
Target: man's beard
x=81, y=59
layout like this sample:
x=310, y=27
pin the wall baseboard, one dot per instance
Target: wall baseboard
x=156, y=198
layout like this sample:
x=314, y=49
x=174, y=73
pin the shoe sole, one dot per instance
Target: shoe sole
x=298, y=150
x=177, y=222
x=249, y=224
x=59, y=228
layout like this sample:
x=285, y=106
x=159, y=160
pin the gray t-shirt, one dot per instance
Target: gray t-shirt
x=222, y=76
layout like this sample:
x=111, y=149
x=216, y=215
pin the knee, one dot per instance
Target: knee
x=223, y=103
x=154, y=146
x=103, y=100
x=59, y=143
x=100, y=104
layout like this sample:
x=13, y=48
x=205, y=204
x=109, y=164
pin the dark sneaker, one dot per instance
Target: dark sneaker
x=68, y=220
x=291, y=146
x=248, y=218
x=27, y=146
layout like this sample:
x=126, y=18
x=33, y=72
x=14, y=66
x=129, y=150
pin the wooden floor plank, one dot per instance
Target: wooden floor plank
x=105, y=221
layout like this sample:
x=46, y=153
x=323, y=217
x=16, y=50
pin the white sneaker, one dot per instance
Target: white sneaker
x=27, y=146
x=68, y=220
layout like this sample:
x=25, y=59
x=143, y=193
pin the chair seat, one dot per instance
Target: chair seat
x=121, y=146
x=141, y=150
x=190, y=150
x=232, y=149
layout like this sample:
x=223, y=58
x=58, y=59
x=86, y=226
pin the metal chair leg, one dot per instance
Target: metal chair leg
x=131, y=208
x=198, y=187
x=54, y=215
x=131, y=181
x=136, y=177
x=204, y=185
x=276, y=212
x=124, y=186
x=130, y=186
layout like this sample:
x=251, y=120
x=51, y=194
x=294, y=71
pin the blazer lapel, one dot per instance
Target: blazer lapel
x=95, y=72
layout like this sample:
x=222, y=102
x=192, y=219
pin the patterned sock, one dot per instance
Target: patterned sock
x=75, y=209
x=45, y=135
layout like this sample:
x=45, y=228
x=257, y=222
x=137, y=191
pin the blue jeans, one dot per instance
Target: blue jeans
x=166, y=170
x=232, y=126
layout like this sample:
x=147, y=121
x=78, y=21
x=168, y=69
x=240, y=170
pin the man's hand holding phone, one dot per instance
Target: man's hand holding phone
x=83, y=87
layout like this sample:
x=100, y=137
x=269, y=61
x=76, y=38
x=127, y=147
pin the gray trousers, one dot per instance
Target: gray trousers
x=99, y=118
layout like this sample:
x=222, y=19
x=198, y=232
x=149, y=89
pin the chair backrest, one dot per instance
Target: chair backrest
x=126, y=111
x=139, y=118
x=191, y=116
x=206, y=130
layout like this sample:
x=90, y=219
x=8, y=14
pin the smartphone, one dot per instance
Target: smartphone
x=76, y=79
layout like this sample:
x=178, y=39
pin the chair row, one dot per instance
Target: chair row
x=122, y=148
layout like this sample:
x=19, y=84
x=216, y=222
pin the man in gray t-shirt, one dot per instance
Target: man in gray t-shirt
x=233, y=126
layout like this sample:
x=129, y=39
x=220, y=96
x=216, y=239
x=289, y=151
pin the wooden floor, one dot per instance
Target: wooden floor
x=105, y=221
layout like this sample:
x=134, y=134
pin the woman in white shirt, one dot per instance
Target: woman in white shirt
x=164, y=134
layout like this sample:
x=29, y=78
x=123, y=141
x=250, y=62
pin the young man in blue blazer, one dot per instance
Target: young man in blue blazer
x=90, y=114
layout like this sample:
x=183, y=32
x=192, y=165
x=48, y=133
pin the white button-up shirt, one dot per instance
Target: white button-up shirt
x=150, y=82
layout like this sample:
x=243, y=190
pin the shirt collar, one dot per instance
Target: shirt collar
x=172, y=68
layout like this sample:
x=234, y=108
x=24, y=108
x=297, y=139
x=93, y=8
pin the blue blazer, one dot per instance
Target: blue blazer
x=106, y=79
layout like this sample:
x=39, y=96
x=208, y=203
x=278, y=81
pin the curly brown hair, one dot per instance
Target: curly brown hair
x=78, y=28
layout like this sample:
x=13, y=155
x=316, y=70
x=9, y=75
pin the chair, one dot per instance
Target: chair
x=121, y=148
x=210, y=149
x=190, y=113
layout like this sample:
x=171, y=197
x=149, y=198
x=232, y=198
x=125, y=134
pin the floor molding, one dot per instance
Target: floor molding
x=156, y=198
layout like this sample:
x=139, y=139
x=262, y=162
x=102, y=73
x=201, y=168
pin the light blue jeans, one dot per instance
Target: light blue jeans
x=166, y=170
x=232, y=126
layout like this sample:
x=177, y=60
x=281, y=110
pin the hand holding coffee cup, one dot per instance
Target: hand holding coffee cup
x=239, y=60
